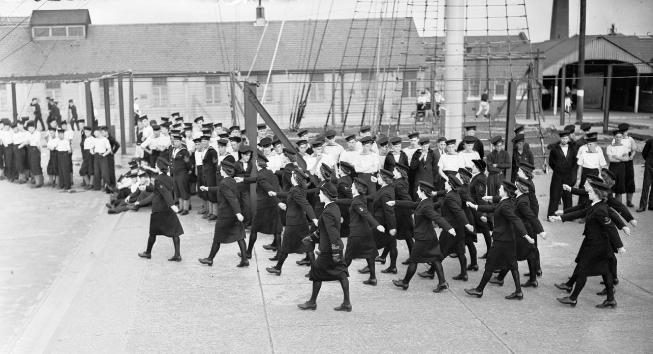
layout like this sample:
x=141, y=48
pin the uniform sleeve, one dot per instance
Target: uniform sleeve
x=166, y=194
x=265, y=184
x=578, y=191
x=573, y=213
x=300, y=199
x=388, y=211
x=530, y=217
x=616, y=219
x=361, y=209
x=620, y=208
x=230, y=196
x=408, y=204
x=414, y=161
x=435, y=217
x=331, y=227
x=509, y=214
x=456, y=210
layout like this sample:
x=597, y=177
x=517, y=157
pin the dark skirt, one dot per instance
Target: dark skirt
x=325, y=269
x=404, y=223
x=382, y=239
x=87, y=163
x=2, y=156
x=228, y=229
x=452, y=244
x=594, y=261
x=165, y=223
x=292, y=238
x=267, y=220
x=181, y=185
x=35, y=161
x=361, y=247
x=619, y=170
x=20, y=157
x=200, y=182
x=630, y=177
x=501, y=255
x=425, y=251
x=210, y=180
x=524, y=248
x=52, y=168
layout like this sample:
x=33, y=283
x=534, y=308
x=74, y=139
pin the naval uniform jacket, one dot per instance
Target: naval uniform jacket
x=384, y=214
x=601, y=237
x=403, y=216
x=390, y=160
x=164, y=221
x=531, y=223
x=478, y=147
x=507, y=224
x=227, y=227
x=424, y=170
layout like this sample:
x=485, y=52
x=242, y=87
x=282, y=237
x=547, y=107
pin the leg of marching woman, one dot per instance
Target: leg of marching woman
x=317, y=285
x=150, y=243
x=252, y=240
x=176, y=242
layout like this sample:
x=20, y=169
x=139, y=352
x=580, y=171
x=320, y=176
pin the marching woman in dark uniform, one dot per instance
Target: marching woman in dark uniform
x=525, y=250
x=181, y=169
x=471, y=238
x=404, y=220
x=210, y=176
x=297, y=211
x=525, y=172
x=507, y=225
x=426, y=248
x=329, y=264
x=477, y=190
x=243, y=169
x=451, y=208
x=385, y=215
x=596, y=251
x=344, y=183
x=163, y=220
x=229, y=223
x=267, y=219
x=361, y=223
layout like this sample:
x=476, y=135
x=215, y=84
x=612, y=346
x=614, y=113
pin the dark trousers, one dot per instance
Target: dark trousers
x=111, y=165
x=583, y=199
x=10, y=170
x=39, y=119
x=647, y=196
x=556, y=192
x=100, y=171
x=64, y=164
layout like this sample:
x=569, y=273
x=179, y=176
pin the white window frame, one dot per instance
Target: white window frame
x=53, y=92
x=160, y=93
x=50, y=35
x=4, y=97
x=215, y=88
x=474, y=95
x=494, y=90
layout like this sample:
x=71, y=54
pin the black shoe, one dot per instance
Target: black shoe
x=343, y=307
x=249, y=255
x=307, y=275
x=390, y=270
x=304, y=262
x=243, y=263
x=538, y=273
x=270, y=247
x=426, y=274
x=145, y=255
x=484, y=256
x=497, y=281
x=379, y=259
x=405, y=262
x=183, y=212
x=274, y=259
x=365, y=270
x=400, y=284
x=473, y=267
x=175, y=259
x=207, y=261
x=307, y=306
x=607, y=303
x=441, y=287
x=630, y=204
x=565, y=287
x=370, y=282
x=273, y=270
x=462, y=277
x=474, y=292
x=640, y=210
x=212, y=218
x=454, y=255
x=567, y=301
x=515, y=296
x=530, y=284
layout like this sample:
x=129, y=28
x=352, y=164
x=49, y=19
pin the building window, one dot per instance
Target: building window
x=53, y=89
x=160, y=91
x=75, y=31
x=410, y=84
x=41, y=32
x=112, y=96
x=367, y=78
x=4, y=97
x=268, y=89
x=213, y=90
x=317, y=88
x=58, y=32
x=500, y=88
x=474, y=88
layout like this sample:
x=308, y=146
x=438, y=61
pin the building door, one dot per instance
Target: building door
x=593, y=90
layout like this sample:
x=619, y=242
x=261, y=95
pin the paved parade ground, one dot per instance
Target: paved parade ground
x=71, y=282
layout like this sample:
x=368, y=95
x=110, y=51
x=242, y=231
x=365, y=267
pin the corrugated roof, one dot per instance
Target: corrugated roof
x=60, y=17
x=206, y=47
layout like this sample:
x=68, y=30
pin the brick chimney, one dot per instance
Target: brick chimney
x=260, y=15
x=560, y=20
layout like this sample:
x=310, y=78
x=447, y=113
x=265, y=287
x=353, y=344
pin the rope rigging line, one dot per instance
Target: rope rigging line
x=387, y=68
x=369, y=72
x=401, y=97
x=274, y=57
x=303, y=53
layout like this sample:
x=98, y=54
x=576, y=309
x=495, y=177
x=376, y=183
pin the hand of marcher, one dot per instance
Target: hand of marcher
x=621, y=250
x=452, y=231
x=390, y=203
x=174, y=208
x=272, y=194
x=633, y=222
x=240, y=217
x=529, y=239
x=472, y=205
x=315, y=222
x=487, y=198
x=566, y=187
x=336, y=257
x=282, y=206
x=393, y=232
x=469, y=227
x=204, y=188
x=238, y=179
x=373, y=179
x=484, y=218
x=380, y=228
x=542, y=235
x=626, y=230
x=555, y=218
x=559, y=212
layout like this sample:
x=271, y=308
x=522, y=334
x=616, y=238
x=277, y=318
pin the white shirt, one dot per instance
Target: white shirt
x=367, y=163
x=565, y=149
x=89, y=142
x=64, y=145
x=334, y=151
x=35, y=139
x=101, y=145
x=468, y=157
x=629, y=143
x=199, y=156
x=359, y=147
x=349, y=156
x=451, y=162
x=147, y=132
x=69, y=135
x=318, y=161
x=616, y=151
x=190, y=145
x=277, y=162
x=591, y=160
x=410, y=151
x=21, y=137
x=52, y=143
x=583, y=149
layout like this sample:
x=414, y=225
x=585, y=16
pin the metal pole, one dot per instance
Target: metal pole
x=90, y=116
x=232, y=102
x=14, y=105
x=510, y=120
x=107, y=102
x=562, y=94
x=121, y=114
x=580, y=92
x=637, y=95
x=342, y=97
x=606, y=99
x=132, y=123
x=333, y=98
x=453, y=67
x=252, y=132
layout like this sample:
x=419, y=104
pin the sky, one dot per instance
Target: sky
x=629, y=16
